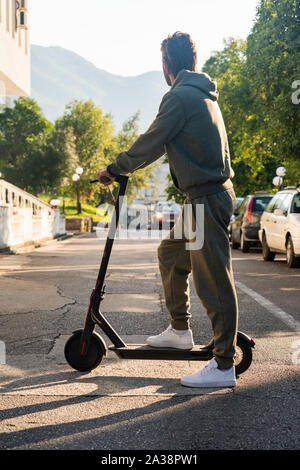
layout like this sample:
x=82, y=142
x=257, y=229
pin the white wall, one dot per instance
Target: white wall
x=24, y=218
x=21, y=228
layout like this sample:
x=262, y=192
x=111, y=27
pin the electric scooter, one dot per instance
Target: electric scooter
x=85, y=349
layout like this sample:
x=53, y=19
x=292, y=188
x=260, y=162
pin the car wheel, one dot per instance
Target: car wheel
x=267, y=254
x=291, y=259
x=244, y=244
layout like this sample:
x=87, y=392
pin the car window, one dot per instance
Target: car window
x=275, y=203
x=239, y=201
x=295, y=209
x=285, y=204
x=260, y=203
x=270, y=206
x=279, y=201
x=243, y=205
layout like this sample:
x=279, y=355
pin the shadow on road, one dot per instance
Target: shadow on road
x=255, y=417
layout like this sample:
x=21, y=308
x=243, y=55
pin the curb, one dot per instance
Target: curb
x=31, y=246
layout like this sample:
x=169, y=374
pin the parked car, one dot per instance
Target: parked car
x=245, y=227
x=239, y=201
x=166, y=214
x=280, y=227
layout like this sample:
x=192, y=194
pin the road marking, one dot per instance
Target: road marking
x=272, y=308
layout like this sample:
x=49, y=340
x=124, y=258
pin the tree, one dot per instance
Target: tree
x=273, y=64
x=28, y=156
x=252, y=158
x=95, y=146
x=92, y=134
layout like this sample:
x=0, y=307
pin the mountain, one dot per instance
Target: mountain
x=59, y=76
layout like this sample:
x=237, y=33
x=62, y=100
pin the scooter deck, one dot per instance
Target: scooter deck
x=143, y=351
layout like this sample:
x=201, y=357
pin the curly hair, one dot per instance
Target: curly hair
x=179, y=52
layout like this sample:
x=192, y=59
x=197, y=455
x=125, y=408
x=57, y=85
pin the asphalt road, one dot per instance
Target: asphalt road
x=140, y=404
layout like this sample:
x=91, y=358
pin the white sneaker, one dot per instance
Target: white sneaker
x=211, y=376
x=171, y=339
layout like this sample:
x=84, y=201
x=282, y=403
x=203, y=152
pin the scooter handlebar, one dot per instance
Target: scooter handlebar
x=119, y=179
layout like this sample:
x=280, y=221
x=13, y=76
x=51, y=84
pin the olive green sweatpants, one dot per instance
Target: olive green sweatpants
x=211, y=267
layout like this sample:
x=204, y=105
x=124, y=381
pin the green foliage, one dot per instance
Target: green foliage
x=90, y=134
x=273, y=64
x=41, y=157
x=24, y=134
x=255, y=78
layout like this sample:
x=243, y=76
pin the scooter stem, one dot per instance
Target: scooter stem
x=123, y=181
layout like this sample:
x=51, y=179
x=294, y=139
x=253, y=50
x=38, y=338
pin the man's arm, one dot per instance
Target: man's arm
x=150, y=146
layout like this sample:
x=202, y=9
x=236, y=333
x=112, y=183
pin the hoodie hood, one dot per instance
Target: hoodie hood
x=199, y=80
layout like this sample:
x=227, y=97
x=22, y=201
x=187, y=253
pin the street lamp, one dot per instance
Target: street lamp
x=281, y=171
x=76, y=179
x=54, y=203
x=278, y=180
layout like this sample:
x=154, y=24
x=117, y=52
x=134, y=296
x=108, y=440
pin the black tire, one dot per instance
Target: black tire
x=89, y=361
x=291, y=259
x=243, y=356
x=267, y=254
x=245, y=246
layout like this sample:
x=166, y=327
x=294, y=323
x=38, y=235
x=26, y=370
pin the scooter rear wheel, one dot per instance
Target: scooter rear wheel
x=243, y=356
x=87, y=362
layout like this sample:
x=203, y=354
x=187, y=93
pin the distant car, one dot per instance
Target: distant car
x=166, y=214
x=280, y=227
x=239, y=201
x=246, y=224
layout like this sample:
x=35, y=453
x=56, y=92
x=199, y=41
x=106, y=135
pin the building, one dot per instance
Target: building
x=14, y=48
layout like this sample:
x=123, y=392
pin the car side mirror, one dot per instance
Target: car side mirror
x=279, y=212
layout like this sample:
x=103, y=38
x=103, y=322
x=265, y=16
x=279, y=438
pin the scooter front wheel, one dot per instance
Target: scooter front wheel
x=88, y=361
x=243, y=356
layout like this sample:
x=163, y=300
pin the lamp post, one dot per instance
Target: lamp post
x=54, y=203
x=76, y=179
x=278, y=180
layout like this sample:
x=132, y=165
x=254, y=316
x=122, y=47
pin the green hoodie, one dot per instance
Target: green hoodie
x=189, y=128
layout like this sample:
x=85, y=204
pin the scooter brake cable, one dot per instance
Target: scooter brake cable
x=112, y=196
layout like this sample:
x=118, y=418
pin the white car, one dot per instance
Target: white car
x=280, y=227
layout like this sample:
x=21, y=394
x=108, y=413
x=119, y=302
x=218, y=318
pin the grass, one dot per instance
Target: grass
x=88, y=210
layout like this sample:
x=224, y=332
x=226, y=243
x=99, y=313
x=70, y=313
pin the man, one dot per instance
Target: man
x=189, y=127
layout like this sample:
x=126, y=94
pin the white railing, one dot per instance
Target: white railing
x=25, y=218
x=16, y=197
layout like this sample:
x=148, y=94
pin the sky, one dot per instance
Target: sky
x=124, y=36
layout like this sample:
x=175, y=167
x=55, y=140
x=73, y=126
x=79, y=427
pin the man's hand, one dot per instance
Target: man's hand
x=102, y=173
